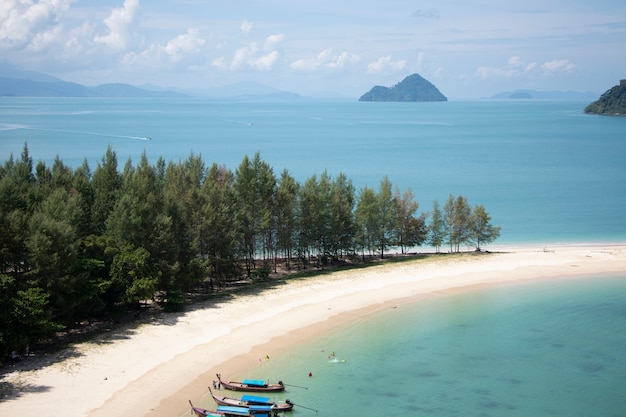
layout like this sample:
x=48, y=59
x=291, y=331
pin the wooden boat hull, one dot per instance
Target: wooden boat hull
x=235, y=411
x=201, y=412
x=251, y=385
x=245, y=402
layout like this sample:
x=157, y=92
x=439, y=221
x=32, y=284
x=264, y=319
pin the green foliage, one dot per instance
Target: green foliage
x=464, y=225
x=341, y=207
x=612, y=102
x=132, y=275
x=106, y=182
x=457, y=214
x=482, y=231
x=173, y=300
x=218, y=234
x=367, y=221
x=387, y=213
x=286, y=216
x=24, y=316
x=75, y=245
x=255, y=186
x=437, y=228
x=260, y=274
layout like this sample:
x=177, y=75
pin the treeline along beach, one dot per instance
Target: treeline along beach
x=77, y=245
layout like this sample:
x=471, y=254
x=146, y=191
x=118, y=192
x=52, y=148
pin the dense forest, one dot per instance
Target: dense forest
x=76, y=245
x=612, y=102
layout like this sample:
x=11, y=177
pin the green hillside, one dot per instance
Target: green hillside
x=613, y=102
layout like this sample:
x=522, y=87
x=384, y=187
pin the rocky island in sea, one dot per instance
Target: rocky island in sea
x=412, y=88
x=612, y=102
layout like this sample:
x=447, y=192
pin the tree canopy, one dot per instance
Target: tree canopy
x=76, y=244
x=612, y=102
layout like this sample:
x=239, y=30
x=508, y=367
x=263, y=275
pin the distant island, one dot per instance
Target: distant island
x=545, y=95
x=412, y=88
x=612, y=102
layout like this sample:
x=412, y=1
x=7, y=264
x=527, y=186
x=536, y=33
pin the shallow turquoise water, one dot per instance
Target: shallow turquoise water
x=532, y=349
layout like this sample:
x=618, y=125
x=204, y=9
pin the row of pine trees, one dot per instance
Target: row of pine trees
x=75, y=244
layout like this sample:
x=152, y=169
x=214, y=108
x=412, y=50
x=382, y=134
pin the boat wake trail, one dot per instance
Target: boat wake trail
x=8, y=126
x=78, y=132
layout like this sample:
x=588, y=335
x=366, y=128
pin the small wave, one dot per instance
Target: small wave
x=10, y=126
x=78, y=132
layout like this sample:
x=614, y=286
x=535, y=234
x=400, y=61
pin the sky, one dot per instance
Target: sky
x=328, y=48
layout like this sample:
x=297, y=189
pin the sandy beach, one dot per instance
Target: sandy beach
x=153, y=368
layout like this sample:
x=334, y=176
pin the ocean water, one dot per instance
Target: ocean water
x=533, y=349
x=543, y=170
x=546, y=173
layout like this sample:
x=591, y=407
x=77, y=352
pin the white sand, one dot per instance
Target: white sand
x=153, y=369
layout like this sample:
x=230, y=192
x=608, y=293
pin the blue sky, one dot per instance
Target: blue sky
x=467, y=48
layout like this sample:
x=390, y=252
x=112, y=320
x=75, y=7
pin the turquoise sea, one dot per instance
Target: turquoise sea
x=544, y=170
x=519, y=350
x=546, y=173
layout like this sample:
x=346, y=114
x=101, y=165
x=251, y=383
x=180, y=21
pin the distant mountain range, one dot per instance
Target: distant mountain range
x=412, y=88
x=546, y=95
x=12, y=87
x=15, y=82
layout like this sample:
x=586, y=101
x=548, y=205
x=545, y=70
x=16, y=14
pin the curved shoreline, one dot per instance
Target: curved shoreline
x=155, y=368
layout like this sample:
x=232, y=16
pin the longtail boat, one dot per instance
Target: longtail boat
x=201, y=412
x=252, y=385
x=235, y=411
x=248, y=400
x=253, y=410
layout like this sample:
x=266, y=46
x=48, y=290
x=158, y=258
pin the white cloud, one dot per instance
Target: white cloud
x=326, y=59
x=243, y=55
x=519, y=63
x=44, y=40
x=246, y=27
x=78, y=39
x=530, y=67
x=560, y=65
x=175, y=50
x=219, y=62
x=253, y=55
x=120, y=25
x=495, y=72
x=190, y=42
x=273, y=40
x=385, y=63
x=21, y=22
x=264, y=62
x=516, y=66
x=150, y=56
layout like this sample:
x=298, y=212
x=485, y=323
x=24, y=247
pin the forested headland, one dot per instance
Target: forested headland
x=76, y=245
x=612, y=102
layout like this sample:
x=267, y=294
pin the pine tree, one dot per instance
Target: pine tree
x=482, y=231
